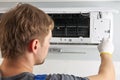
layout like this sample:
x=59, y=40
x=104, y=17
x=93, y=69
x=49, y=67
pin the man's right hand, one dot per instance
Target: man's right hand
x=106, y=46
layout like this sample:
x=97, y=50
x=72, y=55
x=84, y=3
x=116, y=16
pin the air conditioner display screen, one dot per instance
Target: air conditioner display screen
x=71, y=24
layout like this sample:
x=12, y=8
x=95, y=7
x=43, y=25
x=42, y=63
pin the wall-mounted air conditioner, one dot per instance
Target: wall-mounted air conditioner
x=76, y=29
x=81, y=25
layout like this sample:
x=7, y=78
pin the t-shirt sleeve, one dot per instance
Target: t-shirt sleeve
x=64, y=77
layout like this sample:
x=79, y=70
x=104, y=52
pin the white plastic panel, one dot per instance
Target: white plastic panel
x=102, y=26
x=101, y=23
x=100, y=29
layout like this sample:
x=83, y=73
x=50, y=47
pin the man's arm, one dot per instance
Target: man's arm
x=106, y=70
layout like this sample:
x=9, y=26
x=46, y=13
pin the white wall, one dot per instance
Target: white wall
x=79, y=64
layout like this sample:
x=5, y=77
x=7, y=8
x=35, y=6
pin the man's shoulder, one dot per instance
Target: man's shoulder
x=22, y=76
x=30, y=76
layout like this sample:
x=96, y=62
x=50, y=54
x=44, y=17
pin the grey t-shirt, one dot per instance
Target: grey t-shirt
x=30, y=76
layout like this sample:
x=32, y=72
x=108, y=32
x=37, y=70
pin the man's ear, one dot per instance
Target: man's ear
x=34, y=45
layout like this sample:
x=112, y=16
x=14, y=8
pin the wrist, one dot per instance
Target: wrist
x=106, y=54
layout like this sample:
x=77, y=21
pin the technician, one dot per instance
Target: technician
x=25, y=33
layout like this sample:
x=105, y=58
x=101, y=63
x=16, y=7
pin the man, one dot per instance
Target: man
x=25, y=32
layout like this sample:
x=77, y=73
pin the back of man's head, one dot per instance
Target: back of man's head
x=19, y=26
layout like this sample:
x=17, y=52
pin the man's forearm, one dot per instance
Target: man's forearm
x=106, y=70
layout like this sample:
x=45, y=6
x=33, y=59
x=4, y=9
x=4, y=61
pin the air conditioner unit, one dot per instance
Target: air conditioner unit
x=79, y=28
x=81, y=25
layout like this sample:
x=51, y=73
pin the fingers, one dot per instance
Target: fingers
x=106, y=45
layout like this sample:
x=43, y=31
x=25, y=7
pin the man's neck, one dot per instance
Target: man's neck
x=14, y=67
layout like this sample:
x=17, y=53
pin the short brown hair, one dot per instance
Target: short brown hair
x=19, y=26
